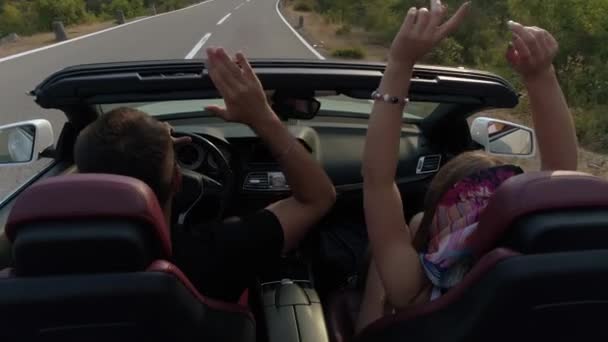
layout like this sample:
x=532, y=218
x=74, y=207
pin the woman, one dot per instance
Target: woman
x=413, y=264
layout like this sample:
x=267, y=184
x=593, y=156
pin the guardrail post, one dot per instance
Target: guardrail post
x=301, y=22
x=120, y=17
x=59, y=29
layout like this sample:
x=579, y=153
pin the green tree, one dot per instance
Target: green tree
x=69, y=11
x=131, y=8
x=11, y=19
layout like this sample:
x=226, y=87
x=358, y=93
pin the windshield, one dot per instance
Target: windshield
x=342, y=106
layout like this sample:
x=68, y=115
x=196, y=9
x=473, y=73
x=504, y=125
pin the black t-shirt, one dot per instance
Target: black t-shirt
x=222, y=260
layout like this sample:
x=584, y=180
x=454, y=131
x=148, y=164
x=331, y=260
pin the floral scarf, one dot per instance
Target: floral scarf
x=448, y=256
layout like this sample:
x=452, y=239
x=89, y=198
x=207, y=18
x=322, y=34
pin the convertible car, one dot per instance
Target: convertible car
x=90, y=255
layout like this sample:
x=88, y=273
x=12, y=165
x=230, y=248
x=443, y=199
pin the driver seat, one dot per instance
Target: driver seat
x=90, y=263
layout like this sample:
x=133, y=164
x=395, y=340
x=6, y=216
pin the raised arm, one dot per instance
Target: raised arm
x=531, y=55
x=396, y=259
x=313, y=193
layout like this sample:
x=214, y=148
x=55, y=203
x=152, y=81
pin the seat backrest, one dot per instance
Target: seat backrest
x=510, y=297
x=550, y=211
x=90, y=264
x=87, y=223
x=551, y=283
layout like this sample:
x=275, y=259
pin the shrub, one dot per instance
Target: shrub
x=131, y=8
x=171, y=5
x=303, y=6
x=69, y=11
x=349, y=53
x=449, y=52
x=11, y=20
x=343, y=30
x=18, y=17
x=591, y=127
x=375, y=16
x=95, y=6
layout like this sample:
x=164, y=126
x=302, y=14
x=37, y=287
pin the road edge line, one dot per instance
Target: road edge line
x=315, y=52
x=29, y=52
x=223, y=19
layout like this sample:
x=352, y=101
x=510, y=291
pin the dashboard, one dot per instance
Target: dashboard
x=336, y=145
x=249, y=158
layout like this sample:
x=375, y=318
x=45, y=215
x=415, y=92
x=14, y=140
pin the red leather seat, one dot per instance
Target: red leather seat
x=542, y=271
x=91, y=262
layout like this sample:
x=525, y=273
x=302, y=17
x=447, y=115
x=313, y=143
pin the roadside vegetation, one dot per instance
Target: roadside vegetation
x=303, y=6
x=579, y=25
x=26, y=17
x=349, y=53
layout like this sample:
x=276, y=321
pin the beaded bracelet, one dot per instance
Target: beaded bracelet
x=376, y=95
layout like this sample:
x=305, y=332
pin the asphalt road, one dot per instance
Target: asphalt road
x=251, y=26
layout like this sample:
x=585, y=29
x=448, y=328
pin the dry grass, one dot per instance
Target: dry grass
x=355, y=52
x=43, y=39
x=322, y=35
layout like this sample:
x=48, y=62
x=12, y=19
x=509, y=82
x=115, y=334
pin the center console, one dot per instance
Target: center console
x=291, y=308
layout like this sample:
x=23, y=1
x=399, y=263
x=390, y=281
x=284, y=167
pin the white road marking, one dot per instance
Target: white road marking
x=315, y=52
x=239, y=6
x=29, y=52
x=198, y=46
x=224, y=19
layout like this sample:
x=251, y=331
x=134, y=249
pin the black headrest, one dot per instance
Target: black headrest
x=87, y=223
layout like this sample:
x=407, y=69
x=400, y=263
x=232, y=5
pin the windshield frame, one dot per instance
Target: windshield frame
x=332, y=101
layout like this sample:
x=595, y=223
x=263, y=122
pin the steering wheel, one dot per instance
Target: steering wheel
x=197, y=187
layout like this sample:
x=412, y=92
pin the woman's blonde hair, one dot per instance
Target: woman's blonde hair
x=455, y=170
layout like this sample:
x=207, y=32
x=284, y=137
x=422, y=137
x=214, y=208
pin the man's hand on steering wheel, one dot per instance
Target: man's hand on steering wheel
x=179, y=140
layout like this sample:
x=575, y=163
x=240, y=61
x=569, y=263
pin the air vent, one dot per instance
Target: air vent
x=428, y=164
x=257, y=181
x=266, y=181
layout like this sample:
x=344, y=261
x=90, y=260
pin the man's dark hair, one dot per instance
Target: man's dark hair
x=126, y=142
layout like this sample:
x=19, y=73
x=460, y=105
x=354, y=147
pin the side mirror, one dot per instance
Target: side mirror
x=22, y=143
x=503, y=138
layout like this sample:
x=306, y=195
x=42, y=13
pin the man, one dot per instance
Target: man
x=223, y=259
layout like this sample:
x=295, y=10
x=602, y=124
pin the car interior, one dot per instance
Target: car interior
x=90, y=255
